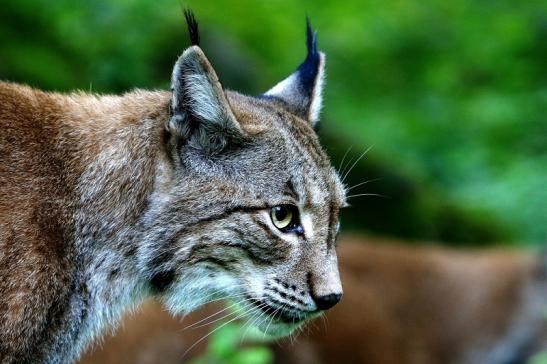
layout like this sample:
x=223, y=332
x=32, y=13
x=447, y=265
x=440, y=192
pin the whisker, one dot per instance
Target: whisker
x=300, y=330
x=255, y=317
x=204, y=319
x=356, y=161
x=366, y=194
x=343, y=159
x=232, y=297
x=363, y=183
x=271, y=320
x=197, y=325
x=294, y=334
x=324, y=319
x=210, y=333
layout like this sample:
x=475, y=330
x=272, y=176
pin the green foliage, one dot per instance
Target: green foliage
x=225, y=348
x=452, y=94
x=539, y=359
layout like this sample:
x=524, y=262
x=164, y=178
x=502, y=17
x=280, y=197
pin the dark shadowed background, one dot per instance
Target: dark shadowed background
x=450, y=95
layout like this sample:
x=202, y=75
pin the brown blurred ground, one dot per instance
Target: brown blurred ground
x=401, y=304
x=150, y=336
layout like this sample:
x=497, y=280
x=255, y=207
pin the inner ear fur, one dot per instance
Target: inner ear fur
x=200, y=112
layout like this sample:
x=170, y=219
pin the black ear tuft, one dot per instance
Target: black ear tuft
x=192, y=24
x=301, y=92
x=311, y=39
x=309, y=69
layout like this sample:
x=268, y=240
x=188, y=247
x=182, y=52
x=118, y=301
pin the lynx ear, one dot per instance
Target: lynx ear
x=200, y=112
x=301, y=92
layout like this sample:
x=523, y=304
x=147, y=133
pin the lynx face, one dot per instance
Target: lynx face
x=247, y=204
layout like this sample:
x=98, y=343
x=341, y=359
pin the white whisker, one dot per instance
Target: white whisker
x=209, y=334
x=363, y=183
x=366, y=194
x=343, y=159
x=355, y=163
x=324, y=319
x=199, y=324
x=255, y=318
x=270, y=322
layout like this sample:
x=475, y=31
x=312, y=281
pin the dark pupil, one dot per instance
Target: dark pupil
x=281, y=213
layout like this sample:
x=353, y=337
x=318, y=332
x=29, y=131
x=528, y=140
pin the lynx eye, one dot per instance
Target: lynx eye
x=285, y=218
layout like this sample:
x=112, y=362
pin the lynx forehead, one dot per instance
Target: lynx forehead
x=191, y=195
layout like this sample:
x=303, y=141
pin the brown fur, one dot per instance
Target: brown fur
x=39, y=158
x=32, y=230
x=402, y=304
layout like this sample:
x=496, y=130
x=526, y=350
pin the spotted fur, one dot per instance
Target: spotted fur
x=106, y=200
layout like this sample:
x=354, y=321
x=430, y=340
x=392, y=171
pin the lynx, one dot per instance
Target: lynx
x=190, y=195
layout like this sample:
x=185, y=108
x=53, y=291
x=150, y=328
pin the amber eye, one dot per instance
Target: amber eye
x=285, y=218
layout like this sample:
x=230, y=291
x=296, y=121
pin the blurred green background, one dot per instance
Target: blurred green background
x=452, y=95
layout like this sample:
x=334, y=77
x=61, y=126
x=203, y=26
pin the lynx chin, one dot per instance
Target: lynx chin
x=191, y=195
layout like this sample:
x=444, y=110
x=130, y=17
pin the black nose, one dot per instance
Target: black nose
x=327, y=301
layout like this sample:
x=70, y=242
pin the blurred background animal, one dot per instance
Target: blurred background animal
x=402, y=305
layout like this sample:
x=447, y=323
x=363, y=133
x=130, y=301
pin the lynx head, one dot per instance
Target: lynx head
x=248, y=207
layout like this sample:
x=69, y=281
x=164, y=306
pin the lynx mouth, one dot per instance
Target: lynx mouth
x=280, y=314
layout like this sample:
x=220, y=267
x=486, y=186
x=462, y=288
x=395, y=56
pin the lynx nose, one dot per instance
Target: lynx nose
x=327, y=301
